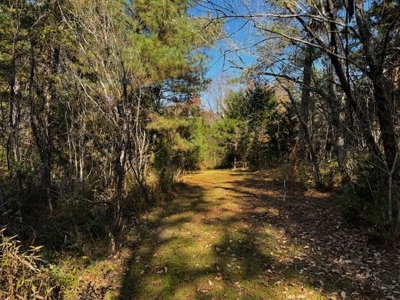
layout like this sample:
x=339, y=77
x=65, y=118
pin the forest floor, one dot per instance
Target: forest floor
x=240, y=235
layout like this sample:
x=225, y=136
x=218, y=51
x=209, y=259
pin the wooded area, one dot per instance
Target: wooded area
x=102, y=110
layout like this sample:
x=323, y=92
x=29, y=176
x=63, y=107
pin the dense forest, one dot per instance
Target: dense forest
x=103, y=109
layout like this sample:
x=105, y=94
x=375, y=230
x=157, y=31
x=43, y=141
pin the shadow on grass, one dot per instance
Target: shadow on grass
x=241, y=240
x=333, y=256
x=229, y=258
x=160, y=232
x=172, y=260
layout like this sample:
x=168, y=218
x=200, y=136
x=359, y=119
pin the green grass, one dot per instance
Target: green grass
x=225, y=235
x=207, y=244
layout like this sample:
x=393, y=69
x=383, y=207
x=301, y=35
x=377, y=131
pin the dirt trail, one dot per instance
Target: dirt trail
x=237, y=235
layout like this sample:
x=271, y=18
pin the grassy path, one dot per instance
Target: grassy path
x=237, y=235
x=216, y=241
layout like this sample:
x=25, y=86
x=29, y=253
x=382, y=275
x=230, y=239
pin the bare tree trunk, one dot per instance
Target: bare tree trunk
x=41, y=129
x=305, y=102
x=235, y=150
x=383, y=91
x=141, y=145
x=314, y=158
x=41, y=96
x=13, y=155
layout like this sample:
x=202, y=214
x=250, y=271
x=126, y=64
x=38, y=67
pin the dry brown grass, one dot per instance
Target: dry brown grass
x=22, y=273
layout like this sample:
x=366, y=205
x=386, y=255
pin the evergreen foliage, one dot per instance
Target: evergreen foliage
x=255, y=129
x=88, y=91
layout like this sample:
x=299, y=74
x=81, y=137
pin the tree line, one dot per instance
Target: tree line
x=97, y=104
x=338, y=62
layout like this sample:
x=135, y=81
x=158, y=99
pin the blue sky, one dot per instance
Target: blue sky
x=234, y=51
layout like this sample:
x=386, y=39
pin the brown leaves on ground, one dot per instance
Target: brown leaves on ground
x=335, y=253
x=240, y=235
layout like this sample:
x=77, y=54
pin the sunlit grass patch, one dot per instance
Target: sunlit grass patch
x=215, y=241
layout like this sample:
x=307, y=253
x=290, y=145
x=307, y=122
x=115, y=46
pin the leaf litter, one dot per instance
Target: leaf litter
x=238, y=239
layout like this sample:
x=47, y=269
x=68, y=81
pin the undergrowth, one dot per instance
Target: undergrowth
x=24, y=274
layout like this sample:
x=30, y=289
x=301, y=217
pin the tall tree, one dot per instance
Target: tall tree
x=81, y=82
x=358, y=42
x=248, y=126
